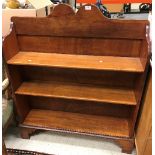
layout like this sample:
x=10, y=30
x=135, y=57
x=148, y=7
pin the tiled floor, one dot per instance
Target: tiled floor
x=62, y=144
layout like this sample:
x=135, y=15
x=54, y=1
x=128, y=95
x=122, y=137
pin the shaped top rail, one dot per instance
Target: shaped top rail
x=87, y=22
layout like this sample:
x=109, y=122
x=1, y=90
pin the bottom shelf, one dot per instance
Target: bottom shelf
x=75, y=122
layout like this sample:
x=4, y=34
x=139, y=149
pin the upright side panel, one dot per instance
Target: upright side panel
x=10, y=48
x=15, y=78
x=10, y=45
x=140, y=83
x=144, y=53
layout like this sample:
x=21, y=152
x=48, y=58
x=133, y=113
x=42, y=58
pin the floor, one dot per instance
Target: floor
x=61, y=143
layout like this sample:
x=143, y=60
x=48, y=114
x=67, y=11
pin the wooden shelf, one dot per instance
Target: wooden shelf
x=78, y=92
x=111, y=63
x=75, y=122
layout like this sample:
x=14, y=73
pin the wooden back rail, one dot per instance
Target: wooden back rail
x=86, y=32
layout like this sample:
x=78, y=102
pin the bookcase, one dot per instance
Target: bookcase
x=77, y=73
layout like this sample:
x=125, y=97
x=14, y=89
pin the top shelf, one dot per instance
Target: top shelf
x=110, y=63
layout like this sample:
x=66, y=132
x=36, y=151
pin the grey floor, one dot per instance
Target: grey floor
x=62, y=143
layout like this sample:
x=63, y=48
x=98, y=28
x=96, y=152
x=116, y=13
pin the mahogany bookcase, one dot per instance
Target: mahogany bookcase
x=78, y=73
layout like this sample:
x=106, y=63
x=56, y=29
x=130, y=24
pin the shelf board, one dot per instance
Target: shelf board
x=111, y=63
x=78, y=92
x=75, y=122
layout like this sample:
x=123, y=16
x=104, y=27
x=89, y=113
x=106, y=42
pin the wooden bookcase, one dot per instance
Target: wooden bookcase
x=78, y=73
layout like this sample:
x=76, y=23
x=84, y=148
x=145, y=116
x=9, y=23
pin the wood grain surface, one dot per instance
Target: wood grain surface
x=79, y=106
x=144, y=124
x=78, y=91
x=99, y=125
x=78, y=61
x=69, y=64
x=80, y=46
x=85, y=23
x=10, y=45
x=83, y=76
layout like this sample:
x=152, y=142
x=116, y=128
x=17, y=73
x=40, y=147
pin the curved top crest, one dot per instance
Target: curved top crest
x=88, y=21
x=87, y=10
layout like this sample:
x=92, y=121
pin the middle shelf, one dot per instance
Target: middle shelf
x=114, y=95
